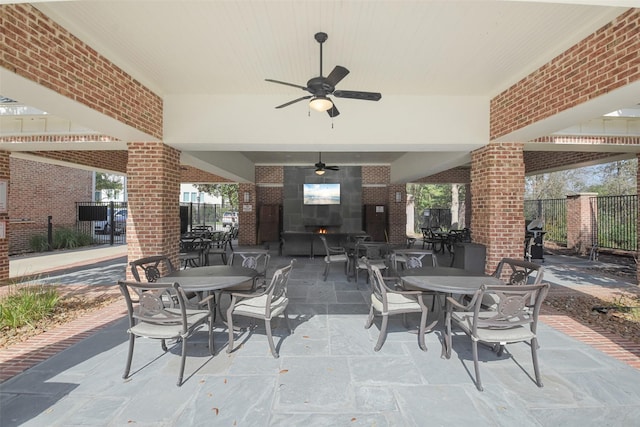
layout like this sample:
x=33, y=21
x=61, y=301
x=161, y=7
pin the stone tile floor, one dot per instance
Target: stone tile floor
x=327, y=374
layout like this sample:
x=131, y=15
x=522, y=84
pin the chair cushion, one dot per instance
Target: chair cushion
x=395, y=302
x=335, y=258
x=256, y=306
x=497, y=335
x=168, y=331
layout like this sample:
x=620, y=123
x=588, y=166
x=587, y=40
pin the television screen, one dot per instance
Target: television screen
x=321, y=194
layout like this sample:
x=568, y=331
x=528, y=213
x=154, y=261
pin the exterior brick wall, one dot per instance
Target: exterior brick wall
x=579, y=222
x=153, y=185
x=269, y=174
x=5, y=174
x=115, y=161
x=602, y=62
x=459, y=175
x=247, y=233
x=39, y=190
x=537, y=162
x=397, y=214
x=198, y=176
x=37, y=48
x=497, y=213
x=376, y=175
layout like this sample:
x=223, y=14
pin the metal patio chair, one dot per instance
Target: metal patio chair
x=161, y=313
x=265, y=304
x=515, y=319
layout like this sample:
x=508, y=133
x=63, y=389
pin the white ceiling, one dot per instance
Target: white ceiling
x=436, y=63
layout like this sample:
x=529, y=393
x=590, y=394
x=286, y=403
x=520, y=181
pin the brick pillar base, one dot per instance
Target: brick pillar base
x=497, y=211
x=153, y=187
x=580, y=222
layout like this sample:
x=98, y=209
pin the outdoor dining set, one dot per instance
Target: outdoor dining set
x=497, y=309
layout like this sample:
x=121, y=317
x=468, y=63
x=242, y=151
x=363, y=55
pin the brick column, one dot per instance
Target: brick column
x=153, y=186
x=5, y=175
x=397, y=215
x=580, y=222
x=497, y=211
x=247, y=217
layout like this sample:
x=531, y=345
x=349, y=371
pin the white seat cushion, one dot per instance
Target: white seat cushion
x=395, y=302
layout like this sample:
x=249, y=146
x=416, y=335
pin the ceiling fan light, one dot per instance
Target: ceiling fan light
x=319, y=171
x=321, y=103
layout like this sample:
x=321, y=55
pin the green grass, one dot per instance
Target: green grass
x=26, y=305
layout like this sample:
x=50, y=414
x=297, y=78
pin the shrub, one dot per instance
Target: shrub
x=38, y=243
x=63, y=238
x=26, y=305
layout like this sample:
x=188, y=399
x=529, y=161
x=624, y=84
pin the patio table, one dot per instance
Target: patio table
x=211, y=278
x=449, y=281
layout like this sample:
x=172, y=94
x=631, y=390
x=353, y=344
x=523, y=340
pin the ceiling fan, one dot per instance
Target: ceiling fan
x=321, y=167
x=321, y=87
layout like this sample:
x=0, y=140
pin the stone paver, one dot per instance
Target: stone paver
x=328, y=373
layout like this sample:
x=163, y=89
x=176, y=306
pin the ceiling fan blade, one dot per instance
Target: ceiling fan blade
x=333, y=168
x=285, y=83
x=333, y=111
x=337, y=74
x=367, y=96
x=294, y=101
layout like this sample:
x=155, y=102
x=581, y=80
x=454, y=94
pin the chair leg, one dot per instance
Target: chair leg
x=127, y=368
x=534, y=356
x=267, y=325
x=369, y=319
x=383, y=333
x=230, y=327
x=286, y=321
x=326, y=271
x=476, y=365
x=422, y=331
x=163, y=344
x=182, y=361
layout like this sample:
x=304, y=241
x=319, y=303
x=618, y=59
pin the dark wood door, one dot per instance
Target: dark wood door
x=375, y=221
x=269, y=223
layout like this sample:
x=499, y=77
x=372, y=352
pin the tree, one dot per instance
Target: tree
x=110, y=184
x=227, y=192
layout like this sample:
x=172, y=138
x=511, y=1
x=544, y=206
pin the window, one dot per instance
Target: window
x=185, y=196
x=194, y=197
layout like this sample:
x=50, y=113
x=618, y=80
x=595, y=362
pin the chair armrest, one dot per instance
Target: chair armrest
x=456, y=304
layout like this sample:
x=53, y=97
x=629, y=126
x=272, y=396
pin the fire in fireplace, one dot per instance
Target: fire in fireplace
x=322, y=230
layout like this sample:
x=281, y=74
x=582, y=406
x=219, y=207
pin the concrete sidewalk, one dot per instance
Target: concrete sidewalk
x=48, y=262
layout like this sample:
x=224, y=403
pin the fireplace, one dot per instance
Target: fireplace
x=322, y=228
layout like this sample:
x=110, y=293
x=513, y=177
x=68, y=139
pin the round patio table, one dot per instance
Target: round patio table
x=211, y=278
x=447, y=280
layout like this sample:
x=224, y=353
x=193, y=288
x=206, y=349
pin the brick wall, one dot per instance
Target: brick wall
x=580, y=222
x=35, y=47
x=602, y=62
x=247, y=233
x=198, y=176
x=497, y=212
x=4, y=216
x=39, y=190
x=397, y=214
x=459, y=175
x=153, y=180
x=537, y=162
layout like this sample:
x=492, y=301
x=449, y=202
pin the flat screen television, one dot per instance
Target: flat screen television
x=321, y=194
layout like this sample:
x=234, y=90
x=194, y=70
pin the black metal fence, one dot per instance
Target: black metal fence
x=433, y=217
x=107, y=221
x=206, y=214
x=615, y=222
x=554, y=214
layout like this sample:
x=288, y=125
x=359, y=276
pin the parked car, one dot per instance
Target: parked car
x=229, y=218
x=120, y=220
